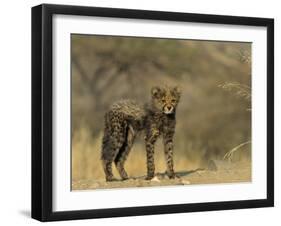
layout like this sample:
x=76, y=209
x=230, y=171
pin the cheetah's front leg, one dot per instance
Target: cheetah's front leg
x=168, y=149
x=150, y=141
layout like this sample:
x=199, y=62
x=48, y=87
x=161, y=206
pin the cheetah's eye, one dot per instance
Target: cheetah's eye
x=173, y=101
x=163, y=100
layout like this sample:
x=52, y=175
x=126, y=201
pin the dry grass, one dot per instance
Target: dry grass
x=86, y=162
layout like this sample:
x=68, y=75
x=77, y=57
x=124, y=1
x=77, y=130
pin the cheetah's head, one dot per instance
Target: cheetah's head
x=165, y=99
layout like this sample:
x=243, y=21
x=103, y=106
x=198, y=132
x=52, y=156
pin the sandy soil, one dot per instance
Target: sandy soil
x=214, y=172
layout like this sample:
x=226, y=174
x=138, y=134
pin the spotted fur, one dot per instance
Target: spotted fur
x=126, y=118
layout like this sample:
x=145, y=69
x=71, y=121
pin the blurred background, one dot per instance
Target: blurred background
x=213, y=116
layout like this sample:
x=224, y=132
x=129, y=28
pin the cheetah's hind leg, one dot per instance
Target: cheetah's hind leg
x=110, y=152
x=112, y=143
x=124, y=152
x=107, y=167
x=107, y=156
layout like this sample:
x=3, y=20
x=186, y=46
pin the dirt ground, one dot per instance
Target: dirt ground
x=215, y=172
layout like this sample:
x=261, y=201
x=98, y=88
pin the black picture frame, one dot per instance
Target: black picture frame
x=42, y=107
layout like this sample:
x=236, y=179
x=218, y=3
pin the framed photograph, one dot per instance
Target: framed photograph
x=145, y=112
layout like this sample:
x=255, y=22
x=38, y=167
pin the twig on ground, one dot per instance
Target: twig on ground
x=229, y=154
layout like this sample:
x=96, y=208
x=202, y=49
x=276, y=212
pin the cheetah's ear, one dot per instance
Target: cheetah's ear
x=156, y=91
x=177, y=91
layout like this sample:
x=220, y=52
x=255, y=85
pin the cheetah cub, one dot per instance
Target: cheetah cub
x=126, y=119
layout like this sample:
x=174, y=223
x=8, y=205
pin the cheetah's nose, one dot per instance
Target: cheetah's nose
x=169, y=108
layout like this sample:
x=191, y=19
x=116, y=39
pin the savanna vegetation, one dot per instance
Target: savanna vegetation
x=214, y=114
